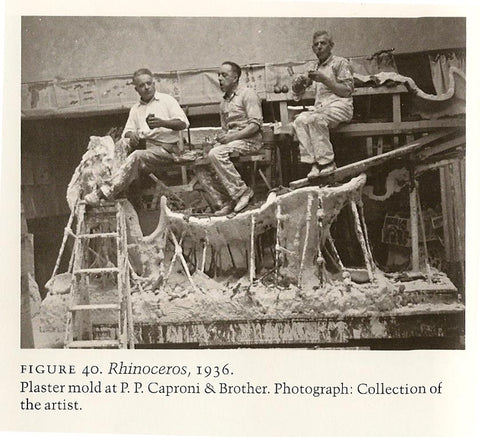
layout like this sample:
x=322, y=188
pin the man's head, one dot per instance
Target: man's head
x=322, y=45
x=228, y=76
x=144, y=84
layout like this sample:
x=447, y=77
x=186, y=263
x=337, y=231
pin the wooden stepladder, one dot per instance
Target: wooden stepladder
x=100, y=263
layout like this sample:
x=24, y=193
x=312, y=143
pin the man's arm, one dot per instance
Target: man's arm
x=253, y=111
x=175, y=124
x=248, y=131
x=342, y=81
x=130, y=130
x=339, y=88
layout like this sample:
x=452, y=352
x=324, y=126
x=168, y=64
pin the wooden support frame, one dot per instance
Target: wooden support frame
x=361, y=166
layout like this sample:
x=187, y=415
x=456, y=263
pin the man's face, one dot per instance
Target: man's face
x=145, y=86
x=322, y=47
x=227, y=78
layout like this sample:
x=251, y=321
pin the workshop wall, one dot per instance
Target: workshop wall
x=76, y=47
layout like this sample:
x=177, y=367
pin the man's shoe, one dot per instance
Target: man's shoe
x=226, y=209
x=323, y=170
x=243, y=200
x=328, y=169
x=314, y=172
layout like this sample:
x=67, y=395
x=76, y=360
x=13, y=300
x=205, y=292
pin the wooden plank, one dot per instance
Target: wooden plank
x=358, y=92
x=361, y=166
x=432, y=166
x=392, y=128
x=450, y=144
x=385, y=128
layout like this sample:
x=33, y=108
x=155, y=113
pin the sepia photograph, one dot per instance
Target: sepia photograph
x=243, y=182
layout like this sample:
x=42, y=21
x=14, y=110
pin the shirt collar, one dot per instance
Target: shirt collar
x=232, y=95
x=326, y=61
x=155, y=97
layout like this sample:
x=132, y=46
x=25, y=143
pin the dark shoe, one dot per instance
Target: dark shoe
x=327, y=169
x=321, y=170
x=243, y=200
x=226, y=209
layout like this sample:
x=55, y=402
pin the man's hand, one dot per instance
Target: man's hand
x=318, y=76
x=224, y=138
x=154, y=122
x=134, y=139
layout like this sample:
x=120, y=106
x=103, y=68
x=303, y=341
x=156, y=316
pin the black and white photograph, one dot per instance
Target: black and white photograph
x=243, y=182
x=247, y=219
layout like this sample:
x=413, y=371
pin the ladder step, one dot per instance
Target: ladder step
x=100, y=344
x=96, y=271
x=99, y=235
x=96, y=306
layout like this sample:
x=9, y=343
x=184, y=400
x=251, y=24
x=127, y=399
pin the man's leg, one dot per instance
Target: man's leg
x=302, y=129
x=219, y=157
x=137, y=162
x=321, y=122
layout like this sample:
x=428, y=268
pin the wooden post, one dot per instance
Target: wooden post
x=204, y=255
x=335, y=252
x=252, y=249
x=181, y=146
x=307, y=235
x=179, y=251
x=369, y=145
x=284, y=113
x=424, y=235
x=83, y=317
x=446, y=228
x=459, y=213
x=396, y=108
x=379, y=145
x=277, y=242
x=414, y=228
x=361, y=239
x=365, y=233
x=67, y=231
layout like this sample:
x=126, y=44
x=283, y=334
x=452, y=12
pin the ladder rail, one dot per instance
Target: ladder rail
x=78, y=332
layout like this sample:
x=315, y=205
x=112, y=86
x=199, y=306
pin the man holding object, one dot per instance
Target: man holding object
x=333, y=80
x=241, y=120
x=153, y=123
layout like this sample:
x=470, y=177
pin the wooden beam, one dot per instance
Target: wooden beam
x=397, y=128
x=361, y=166
x=450, y=144
x=385, y=128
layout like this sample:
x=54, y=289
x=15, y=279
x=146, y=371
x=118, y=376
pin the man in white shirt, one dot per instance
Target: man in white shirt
x=333, y=80
x=153, y=121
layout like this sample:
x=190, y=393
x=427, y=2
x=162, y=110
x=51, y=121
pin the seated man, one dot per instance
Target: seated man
x=241, y=120
x=333, y=78
x=153, y=121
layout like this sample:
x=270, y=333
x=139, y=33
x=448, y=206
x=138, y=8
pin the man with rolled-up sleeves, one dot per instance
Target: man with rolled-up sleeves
x=332, y=77
x=151, y=132
x=241, y=121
